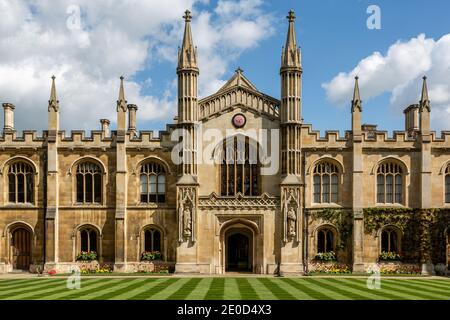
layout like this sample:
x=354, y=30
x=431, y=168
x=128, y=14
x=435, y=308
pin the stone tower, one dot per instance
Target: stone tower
x=51, y=214
x=291, y=180
x=357, y=180
x=187, y=185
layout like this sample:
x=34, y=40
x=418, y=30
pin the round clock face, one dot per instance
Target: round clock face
x=239, y=120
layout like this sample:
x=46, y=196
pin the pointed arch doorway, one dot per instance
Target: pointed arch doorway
x=21, y=249
x=238, y=250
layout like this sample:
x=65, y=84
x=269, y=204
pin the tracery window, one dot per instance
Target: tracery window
x=153, y=183
x=88, y=239
x=152, y=240
x=239, y=169
x=389, y=183
x=326, y=183
x=89, y=183
x=20, y=183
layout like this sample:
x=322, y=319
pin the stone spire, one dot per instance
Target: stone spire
x=424, y=100
x=356, y=102
x=53, y=103
x=187, y=54
x=121, y=102
x=291, y=53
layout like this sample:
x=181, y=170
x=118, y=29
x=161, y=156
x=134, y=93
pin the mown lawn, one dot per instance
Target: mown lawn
x=209, y=288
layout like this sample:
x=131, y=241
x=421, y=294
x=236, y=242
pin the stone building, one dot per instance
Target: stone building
x=120, y=192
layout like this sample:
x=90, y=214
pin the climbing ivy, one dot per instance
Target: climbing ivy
x=341, y=219
x=423, y=230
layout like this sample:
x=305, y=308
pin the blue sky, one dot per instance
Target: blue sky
x=334, y=37
x=142, y=39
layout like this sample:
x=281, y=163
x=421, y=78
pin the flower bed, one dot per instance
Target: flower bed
x=94, y=270
x=153, y=267
x=329, y=268
x=393, y=268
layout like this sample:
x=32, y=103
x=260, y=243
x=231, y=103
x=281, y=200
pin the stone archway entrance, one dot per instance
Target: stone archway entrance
x=238, y=250
x=21, y=249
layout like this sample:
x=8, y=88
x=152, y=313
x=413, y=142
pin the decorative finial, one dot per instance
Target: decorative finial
x=121, y=78
x=356, y=77
x=239, y=70
x=291, y=16
x=53, y=77
x=187, y=16
x=424, y=77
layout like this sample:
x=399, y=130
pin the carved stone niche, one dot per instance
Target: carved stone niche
x=290, y=208
x=186, y=203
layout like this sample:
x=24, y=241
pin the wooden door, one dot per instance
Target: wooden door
x=21, y=249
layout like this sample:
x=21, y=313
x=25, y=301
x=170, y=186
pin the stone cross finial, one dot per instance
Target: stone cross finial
x=291, y=16
x=187, y=16
x=239, y=70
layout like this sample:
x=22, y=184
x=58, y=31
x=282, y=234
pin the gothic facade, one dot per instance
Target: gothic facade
x=119, y=193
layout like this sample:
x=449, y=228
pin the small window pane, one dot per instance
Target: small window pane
x=152, y=184
x=97, y=188
x=447, y=188
x=88, y=185
x=398, y=188
x=380, y=188
x=144, y=184
x=317, y=188
x=326, y=188
x=389, y=189
x=12, y=187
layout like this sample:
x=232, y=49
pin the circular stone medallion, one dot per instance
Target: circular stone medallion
x=239, y=120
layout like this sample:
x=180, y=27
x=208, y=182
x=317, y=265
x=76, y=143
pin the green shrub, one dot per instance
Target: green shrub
x=87, y=256
x=389, y=256
x=325, y=256
x=151, y=255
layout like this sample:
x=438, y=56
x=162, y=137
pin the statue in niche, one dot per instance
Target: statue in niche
x=291, y=220
x=187, y=222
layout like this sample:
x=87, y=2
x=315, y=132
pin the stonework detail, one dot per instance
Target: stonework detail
x=213, y=201
x=290, y=202
x=186, y=213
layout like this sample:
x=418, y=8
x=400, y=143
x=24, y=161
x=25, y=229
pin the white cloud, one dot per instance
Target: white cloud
x=115, y=38
x=399, y=73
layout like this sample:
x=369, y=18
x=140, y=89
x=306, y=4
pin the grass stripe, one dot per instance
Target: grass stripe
x=155, y=289
x=21, y=286
x=201, y=291
x=231, y=290
x=29, y=289
x=333, y=285
x=330, y=292
x=185, y=290
x=246, y=290
x=361, y=286
x=83, y=294
x=15, y=282
x=216, y=289
x=305, y=289
x=147, y=285
x=443, y=287
x=421, y=290
x=261, y=289
x=429, y=288
x=47, y=294
x=276, y=290
x=169, y=290
x=117, y=289
x=400, y=288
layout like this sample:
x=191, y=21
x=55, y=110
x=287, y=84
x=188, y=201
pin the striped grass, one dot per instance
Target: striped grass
x=225, y=288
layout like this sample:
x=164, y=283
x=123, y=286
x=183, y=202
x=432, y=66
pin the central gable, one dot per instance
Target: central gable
x=238, y=92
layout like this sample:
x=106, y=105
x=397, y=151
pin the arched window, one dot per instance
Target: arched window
x=325, y=240
x=89, y=183
x=239, y=167
x=88, y=240
x=152, y=240
x=390, y=240
x=20, y=183
x=389, y=183
x=153, y=183
x=326, y=182
x=447, y=184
